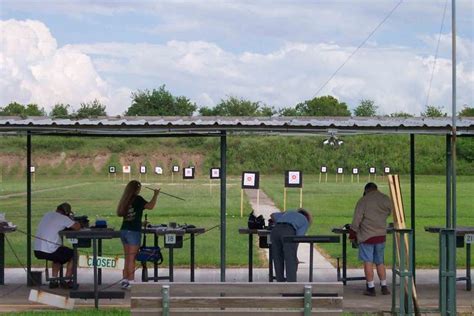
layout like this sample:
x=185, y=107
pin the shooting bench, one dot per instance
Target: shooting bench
x=305, y=298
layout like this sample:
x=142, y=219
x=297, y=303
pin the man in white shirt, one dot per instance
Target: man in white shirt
x=48, y=243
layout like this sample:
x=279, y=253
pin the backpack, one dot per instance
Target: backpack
x=255, y=222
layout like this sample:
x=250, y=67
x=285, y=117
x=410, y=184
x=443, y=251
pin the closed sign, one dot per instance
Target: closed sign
x=102, y=262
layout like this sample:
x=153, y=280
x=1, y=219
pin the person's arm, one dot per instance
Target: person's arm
x=357, y=218
x=150, y=205
x=75, y=226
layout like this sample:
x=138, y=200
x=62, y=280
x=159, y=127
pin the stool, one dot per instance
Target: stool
x=61, y=274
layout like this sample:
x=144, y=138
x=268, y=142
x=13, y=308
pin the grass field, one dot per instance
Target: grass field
x=331, y=203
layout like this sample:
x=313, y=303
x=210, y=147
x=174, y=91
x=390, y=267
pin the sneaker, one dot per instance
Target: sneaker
x=124, y=284
x=53, y=284
x=385, y=290
x=370, y=291
x=67, y=284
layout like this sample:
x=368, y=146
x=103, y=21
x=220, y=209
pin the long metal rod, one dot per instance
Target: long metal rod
x=171, y=195
x=28, y=208
x=448, y=181
x=223, y=202
x=453, y=143
x=412, y=197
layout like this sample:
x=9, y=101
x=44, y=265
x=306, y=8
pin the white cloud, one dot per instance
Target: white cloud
x=35, y=70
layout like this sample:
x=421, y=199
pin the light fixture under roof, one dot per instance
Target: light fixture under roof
x=332, y=139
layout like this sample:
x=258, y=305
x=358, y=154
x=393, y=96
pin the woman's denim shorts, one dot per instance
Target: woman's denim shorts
x=130, y=237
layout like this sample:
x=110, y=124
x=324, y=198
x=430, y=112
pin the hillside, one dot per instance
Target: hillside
x=269, y=154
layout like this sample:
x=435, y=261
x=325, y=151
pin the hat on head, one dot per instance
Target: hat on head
x=65, y=208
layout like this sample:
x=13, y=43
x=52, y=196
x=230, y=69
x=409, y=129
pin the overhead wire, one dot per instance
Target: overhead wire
x=436, y=54
x=360, y=46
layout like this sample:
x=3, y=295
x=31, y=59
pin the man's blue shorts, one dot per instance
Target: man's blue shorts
x=372, y=252
x=130, y=237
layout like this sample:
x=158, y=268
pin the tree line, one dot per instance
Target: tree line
x=160, y=102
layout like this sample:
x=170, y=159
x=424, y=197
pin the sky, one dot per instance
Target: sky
x=277, y=52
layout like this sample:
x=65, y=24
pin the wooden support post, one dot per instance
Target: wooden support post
x=241, y=202
x=399, y=223
x=258, y=201
x=326, y=177
x=301, y=197
x=284, y=198
x=320, y=177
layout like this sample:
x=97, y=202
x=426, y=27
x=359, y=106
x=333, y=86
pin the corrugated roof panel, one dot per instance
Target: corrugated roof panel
x=150, y=125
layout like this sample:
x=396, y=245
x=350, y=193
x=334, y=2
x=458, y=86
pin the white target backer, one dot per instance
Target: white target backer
x=250, y=180
x=142, y=169
x=126, y=169
x=158, y=170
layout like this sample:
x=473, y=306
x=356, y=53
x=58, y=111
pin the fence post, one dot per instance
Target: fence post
x=308, y=296
x=165, y=293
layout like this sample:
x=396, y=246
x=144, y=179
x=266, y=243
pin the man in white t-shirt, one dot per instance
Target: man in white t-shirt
x=48, y=243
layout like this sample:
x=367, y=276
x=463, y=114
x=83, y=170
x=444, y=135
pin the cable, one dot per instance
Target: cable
x=21, y=264
x=358, y=47
x=436, y=54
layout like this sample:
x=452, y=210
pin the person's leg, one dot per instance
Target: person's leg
x=381, y=272
x=369, y=272
x=277, y=254
x=291, y=260
x=130, y=259
x=366, y=254
x=55, y=269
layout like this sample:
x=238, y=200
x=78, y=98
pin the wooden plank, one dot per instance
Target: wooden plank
x=237, y=288
x=51, y=299
x=236, y=302
x=399, y=222
x=157, y=312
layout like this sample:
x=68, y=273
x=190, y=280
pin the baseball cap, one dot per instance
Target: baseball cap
x=65, y=207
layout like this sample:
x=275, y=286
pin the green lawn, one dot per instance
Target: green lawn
x=331, y=203
x=98, y=198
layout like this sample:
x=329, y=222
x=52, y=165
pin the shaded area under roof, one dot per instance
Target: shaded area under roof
x=214, y=125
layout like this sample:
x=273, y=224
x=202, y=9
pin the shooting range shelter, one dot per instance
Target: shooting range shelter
x=223, y=126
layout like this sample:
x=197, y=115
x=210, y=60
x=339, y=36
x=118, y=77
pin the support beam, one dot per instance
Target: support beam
x=412, y=196
x=28, y=208
x=223, y=203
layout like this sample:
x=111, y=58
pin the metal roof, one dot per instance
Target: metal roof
x=215, y=125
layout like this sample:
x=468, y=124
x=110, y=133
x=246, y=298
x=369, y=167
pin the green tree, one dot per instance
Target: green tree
x=366, y=108
x=17, y=109
x=401, y=114
x=433, y=111
x=60, y=111
x=467, y=111
x=238, y=107
x=159, y=102
x=13, y=109
x=323, y=106
x=288, y=112
x=91, y=109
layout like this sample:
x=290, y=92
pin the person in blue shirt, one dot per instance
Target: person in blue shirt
x=285, y=259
